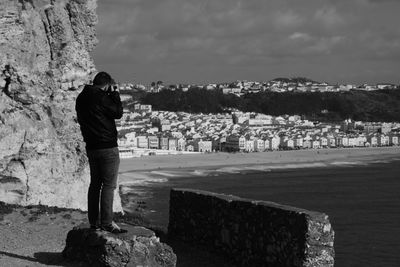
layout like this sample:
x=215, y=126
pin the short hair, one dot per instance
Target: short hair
x=103, y=78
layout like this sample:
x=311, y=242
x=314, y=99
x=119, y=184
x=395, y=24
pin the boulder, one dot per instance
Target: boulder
x=138, y=247
x=45, y=60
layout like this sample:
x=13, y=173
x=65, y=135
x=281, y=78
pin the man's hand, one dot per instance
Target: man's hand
x=114, y=88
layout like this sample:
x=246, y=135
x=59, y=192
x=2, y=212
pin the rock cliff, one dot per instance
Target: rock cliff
x=44, y=61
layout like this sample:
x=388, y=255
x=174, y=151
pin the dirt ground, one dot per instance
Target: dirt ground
x=35, y=236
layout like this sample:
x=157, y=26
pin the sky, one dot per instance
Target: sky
x=204, y=41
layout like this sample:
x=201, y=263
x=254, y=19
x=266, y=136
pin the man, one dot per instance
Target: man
x=97, y=108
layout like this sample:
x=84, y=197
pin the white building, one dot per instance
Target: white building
x=289, y=143
x=202, y=146
x=259, y=145
x=352, y=141
x=298, y=141
x=372, y=140
x=172, y=144
x=125, y=153
x=316, y=144
x=142, y=142
x=331, y=142
x=383, y=140
x=249, y=145
x=274, y=143
x=394, y=140
x=181, y=144
x=345, y=141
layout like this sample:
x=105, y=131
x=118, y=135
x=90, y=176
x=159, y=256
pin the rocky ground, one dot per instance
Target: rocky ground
x=35, y=236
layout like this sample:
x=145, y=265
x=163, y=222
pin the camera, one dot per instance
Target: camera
x=113, y=88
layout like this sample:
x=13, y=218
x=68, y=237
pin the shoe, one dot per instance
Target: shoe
x=94, y=227
x=113, y=228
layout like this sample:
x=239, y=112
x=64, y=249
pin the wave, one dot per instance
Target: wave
x=126, y=189
x=147, y=178
x=201, y=172
x=229, y=170
x=168, y=173
x=348, y=163
x=261, y=168
x=381, y=161
x=139, y=179
x=299, y=165
x=268, y=168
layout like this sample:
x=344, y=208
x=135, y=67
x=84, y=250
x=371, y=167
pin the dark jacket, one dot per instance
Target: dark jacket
x=97, y=111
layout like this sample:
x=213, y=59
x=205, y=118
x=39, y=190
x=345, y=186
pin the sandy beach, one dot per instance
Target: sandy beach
x=213, y=160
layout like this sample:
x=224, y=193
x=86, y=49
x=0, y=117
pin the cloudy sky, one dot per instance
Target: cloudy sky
x=197, y=41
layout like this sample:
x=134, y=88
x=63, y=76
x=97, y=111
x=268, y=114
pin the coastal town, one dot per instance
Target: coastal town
x=280, y=85
x=144, y=131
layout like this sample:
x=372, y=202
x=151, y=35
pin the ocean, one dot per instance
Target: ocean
x=361, y=199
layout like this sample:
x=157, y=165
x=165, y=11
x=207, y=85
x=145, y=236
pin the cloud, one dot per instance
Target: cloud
x=329, y=17
x=378, y=46
x=325, y=45
x=185, y=39
x=382, y=1
x=300, y=36
x=287, y=19
x=192, y=43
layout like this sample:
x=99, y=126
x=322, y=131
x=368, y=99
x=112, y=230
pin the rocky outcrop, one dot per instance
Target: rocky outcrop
x=138, y=247
x=44, y=59
x=252, y=233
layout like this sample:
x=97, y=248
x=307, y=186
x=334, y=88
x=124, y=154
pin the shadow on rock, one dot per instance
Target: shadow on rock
x=12, y=255
x=193, y=255
x=55, y=259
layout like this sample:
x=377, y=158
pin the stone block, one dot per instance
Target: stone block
x=138, y=247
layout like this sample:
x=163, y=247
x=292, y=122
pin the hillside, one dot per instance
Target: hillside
x=381, y=105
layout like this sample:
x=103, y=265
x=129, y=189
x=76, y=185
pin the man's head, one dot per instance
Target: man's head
x=103, y=80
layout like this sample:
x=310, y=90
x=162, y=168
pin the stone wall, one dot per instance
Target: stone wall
x=44, y=61
x=252, y=233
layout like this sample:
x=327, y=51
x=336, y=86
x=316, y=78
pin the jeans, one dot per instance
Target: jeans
x=104, y=164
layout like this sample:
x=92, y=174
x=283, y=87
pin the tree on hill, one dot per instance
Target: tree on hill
x=293, y=80
x=382, y=105
x=302, y=80
x=284, y=80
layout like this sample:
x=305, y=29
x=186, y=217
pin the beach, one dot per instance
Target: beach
x=158, y=169
x=338, y=156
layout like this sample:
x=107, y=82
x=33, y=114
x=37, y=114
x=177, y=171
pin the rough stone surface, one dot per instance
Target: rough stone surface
x=44, y=60
x=253, y=233
x=138, y=247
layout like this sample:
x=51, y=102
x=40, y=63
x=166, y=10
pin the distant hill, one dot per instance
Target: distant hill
x=380, y=105
x=294, y=80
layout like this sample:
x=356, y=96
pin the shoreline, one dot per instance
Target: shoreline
x=271, y=159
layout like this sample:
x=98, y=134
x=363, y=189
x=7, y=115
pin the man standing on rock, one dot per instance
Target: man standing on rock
x=97, y=108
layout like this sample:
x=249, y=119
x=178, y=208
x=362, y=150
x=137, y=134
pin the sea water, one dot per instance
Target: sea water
x=361, y=199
